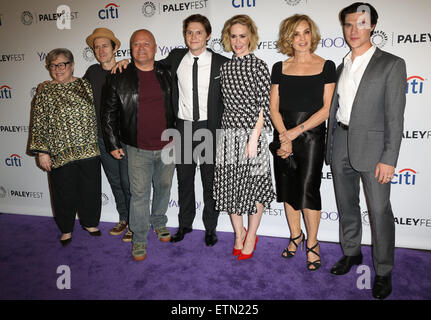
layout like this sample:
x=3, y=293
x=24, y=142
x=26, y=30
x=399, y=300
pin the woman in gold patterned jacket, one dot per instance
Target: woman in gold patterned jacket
x=64, y=139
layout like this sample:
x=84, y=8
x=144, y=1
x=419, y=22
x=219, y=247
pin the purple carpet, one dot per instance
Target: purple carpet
x=103, y=268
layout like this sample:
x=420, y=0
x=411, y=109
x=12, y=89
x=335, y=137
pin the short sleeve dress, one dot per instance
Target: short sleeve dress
x=300, y=97
x=239, y=182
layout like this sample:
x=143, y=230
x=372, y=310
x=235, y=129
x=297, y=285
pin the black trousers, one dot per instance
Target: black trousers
x=76, y=188
x=186, y=170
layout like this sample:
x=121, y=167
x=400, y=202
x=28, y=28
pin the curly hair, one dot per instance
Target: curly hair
x=287, y=31
x=244, y=20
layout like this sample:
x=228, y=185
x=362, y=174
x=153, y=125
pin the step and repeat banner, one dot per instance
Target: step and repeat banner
x=30, y=29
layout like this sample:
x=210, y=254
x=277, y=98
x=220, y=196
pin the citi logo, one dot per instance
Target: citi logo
x=405, y=176
x=415, y=85
x=109, y=12
x=5, y=92
x=14, y=160
x=243, y=3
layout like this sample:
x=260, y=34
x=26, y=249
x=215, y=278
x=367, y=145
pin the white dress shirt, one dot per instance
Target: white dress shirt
x=349, y=81
x=185, y=85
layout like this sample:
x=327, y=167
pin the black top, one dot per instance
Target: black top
x=96, y=75
x=302, y=93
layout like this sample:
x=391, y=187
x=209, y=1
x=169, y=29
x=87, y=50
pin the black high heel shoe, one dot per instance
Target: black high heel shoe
x=65, y=242
x=316, y=264
x=290, y=254
x=96, y=233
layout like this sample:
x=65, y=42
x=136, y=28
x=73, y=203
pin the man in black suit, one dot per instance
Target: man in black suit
x=197, y=105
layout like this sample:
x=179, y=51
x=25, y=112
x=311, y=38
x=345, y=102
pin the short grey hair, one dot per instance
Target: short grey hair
x=53, y=54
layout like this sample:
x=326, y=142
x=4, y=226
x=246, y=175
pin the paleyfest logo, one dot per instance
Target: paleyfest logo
x=63, y=17
x=148, y=9
x=88, y=54
x=379, y=38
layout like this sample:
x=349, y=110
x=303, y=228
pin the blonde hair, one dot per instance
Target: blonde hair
x=244, y=20
x=287, y=31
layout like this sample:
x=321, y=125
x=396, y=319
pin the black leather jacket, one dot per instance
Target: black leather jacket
x=120, y=108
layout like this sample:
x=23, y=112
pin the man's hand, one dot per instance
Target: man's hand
x=117, y=154
x=120, y=65
x=384, y=173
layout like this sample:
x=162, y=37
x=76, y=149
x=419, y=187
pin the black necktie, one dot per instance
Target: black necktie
x=195, y=91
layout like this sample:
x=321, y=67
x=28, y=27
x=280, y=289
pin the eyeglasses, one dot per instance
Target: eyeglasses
x=60, y=66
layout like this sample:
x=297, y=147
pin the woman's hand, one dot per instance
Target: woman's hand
x=290, y=135
x=40, y=85
x=285, y=150
x=120, y=65
x=293, y=133
x=44, y=161
x=251, y=149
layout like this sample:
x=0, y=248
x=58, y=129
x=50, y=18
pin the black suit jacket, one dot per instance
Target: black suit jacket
x=215, y=101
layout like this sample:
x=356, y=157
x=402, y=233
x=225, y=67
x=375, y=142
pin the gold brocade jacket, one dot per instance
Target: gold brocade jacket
x=63, y=122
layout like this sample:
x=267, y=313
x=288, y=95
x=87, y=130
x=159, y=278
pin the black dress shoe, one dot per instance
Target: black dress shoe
x=210, y=238
x=66, y=241
x=180, y=234
x=96, y=233
x=382, y=287
x=345, y=264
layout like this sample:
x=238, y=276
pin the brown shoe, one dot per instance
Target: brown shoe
x=163, y=234
x=139, y=251
x=128, y=235
x=119, y=228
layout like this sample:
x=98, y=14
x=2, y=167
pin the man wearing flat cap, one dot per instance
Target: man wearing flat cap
x=105, y=44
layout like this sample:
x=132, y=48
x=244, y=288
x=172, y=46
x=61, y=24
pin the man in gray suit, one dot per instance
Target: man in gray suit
x=363, y=142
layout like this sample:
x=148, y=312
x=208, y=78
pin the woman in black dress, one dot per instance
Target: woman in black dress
x=301, y=93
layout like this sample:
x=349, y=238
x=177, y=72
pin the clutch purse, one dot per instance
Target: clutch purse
x=287, y=165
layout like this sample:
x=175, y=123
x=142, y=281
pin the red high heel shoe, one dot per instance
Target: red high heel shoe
x=248, y=256
x=237, y=252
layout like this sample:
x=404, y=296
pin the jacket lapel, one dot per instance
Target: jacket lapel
x=214, y=72
x=365, y=77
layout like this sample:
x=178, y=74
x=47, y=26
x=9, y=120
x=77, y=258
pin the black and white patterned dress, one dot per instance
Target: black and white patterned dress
x=240, y=183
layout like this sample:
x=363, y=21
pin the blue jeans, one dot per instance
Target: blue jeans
x=146, y=169
x=118, y=177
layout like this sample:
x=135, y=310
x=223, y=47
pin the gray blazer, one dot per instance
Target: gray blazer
x=376, y=121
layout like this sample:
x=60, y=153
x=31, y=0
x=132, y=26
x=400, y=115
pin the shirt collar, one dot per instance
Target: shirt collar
x=204, y=56
x=365, y=56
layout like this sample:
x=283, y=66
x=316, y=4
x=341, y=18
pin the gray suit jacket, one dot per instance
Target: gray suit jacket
x=376, y=121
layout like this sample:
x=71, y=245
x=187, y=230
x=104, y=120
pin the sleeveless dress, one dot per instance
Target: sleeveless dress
x=240, y=183
x=300, y=98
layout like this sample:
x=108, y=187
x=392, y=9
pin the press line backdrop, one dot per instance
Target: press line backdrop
x=30, y=29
